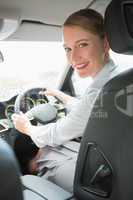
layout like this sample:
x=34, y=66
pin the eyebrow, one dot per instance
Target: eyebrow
x=78, y=41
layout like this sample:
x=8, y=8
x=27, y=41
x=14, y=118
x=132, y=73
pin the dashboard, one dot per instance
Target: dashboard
x=7, y=108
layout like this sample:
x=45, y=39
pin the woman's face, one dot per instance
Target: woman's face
x=85, y=51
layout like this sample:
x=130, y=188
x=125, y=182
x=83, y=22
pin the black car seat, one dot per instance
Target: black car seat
x=10, y=184
x=105, y=162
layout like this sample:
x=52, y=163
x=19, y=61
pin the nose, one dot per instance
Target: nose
x=75, y=56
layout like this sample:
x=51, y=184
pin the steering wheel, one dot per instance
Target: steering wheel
x=37, y=107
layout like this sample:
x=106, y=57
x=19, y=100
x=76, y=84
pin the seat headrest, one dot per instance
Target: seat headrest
x=119, y=25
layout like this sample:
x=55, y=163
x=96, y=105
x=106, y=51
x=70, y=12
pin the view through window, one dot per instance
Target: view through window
x=28, y=64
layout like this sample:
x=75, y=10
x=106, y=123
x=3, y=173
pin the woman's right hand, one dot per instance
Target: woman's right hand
x=48, y=92
x=21, y=123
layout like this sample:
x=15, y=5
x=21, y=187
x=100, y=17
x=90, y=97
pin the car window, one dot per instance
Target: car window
x=123, y=61
x=29, y=64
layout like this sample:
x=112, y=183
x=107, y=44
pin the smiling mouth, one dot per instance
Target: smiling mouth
x=81, y=66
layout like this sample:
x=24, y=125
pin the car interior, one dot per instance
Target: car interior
x=105, y=161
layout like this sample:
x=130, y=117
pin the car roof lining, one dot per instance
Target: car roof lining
x=34, y=16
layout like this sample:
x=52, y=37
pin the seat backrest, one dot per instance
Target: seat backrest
x=105, y=162
x=10, y=185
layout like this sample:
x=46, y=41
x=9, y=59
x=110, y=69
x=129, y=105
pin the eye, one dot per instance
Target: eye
x=67, y=49
x=84, y=44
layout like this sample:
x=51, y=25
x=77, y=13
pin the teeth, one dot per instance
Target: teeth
x=80, y=66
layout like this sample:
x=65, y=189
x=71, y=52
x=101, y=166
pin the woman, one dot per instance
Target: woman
x=87, y=51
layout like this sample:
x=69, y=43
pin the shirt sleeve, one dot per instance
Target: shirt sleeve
x=67, y=128
x=71, y=104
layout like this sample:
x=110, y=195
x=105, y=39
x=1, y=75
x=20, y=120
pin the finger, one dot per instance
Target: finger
x=42, y=92
x=21, y=114
x=14, y=116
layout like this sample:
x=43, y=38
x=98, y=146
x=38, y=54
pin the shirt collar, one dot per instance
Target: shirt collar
x=106, y=73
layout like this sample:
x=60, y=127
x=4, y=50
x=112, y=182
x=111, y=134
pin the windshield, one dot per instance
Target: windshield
x=29, y=64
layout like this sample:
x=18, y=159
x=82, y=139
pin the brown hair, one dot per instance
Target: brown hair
x=87, y=19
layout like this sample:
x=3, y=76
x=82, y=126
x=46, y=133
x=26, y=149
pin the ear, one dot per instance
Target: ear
x=106, y=45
